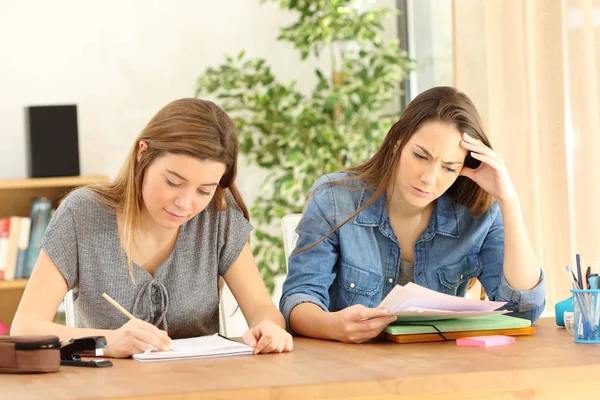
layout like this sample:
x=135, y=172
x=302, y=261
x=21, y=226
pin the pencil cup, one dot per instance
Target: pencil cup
x=586, y=304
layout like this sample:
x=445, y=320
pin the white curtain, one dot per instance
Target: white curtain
x=532, y=68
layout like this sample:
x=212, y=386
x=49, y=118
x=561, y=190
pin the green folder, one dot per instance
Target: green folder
x=479, y=323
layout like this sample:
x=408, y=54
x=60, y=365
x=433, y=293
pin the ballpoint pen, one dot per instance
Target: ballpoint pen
x=579, y=277
x=587, y=328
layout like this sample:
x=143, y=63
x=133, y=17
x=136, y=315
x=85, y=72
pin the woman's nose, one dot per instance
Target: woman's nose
x=183, y=200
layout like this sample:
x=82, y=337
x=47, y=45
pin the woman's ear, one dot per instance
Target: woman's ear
x=142, y=147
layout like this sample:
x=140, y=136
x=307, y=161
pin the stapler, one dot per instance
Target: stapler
x=71, y=351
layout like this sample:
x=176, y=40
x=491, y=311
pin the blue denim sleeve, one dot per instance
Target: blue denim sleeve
x=312, y=272
x=527, y=304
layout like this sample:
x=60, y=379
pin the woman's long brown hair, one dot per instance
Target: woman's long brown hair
x=444, y=104
x=193, y=127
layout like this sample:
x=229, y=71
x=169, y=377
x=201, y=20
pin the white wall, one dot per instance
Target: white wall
x=120, y=61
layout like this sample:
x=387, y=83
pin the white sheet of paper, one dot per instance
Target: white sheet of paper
x=412, y=299
x=198, y=347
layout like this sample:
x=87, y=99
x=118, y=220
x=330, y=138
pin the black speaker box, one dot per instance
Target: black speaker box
x=53, y=146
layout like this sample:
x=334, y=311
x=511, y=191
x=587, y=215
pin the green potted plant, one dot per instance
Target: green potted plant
x=297, y=137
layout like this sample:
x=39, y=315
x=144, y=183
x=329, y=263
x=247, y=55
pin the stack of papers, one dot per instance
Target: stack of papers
x=198, y=347
x=412, y=302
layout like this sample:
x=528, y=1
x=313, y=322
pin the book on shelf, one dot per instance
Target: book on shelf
x=41, y=212
x=4, y=232
x=20, y=240
x=22, y=246
x=13, y=247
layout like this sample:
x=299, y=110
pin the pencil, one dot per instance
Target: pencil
x=118, y=306
x=124, y=311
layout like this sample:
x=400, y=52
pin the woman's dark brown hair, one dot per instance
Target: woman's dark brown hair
x=444, y=104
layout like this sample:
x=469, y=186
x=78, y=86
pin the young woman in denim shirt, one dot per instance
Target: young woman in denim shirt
x=435, y=206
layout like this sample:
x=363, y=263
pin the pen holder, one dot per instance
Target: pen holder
x=586, y=304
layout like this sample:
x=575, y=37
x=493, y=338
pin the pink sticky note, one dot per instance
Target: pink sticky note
x=3, y=328
x=485, y=341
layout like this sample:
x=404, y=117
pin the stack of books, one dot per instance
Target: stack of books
x=456, y=328
x=424, y=315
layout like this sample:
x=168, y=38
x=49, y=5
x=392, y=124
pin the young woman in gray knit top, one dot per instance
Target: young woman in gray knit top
x=156, y=239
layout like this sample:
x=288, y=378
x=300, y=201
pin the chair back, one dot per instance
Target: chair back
x=288, y=230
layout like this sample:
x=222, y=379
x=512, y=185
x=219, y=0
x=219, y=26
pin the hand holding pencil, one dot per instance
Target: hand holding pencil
x=136, y=336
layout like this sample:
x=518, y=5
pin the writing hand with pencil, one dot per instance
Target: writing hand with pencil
x=268, y=337
x=136, y=336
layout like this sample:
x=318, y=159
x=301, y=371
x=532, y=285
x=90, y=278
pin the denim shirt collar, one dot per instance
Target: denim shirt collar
x=444, y=219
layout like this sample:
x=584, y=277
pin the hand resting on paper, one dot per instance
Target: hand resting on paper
x=268, y=337
x=136, y=336
x=357, y=323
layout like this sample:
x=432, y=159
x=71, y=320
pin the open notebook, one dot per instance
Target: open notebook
x=197, y=347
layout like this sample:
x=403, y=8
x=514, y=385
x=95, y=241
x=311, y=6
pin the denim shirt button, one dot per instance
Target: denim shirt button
x=352, y=285
x=390, y=280
x=461, y=276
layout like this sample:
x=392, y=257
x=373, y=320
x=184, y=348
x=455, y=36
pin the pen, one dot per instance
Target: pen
x=588, y=273
x=571, y=278
x=579, y=278
x=574, y=280
x=587, y=329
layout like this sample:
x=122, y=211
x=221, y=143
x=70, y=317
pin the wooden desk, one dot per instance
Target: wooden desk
x=547, y=365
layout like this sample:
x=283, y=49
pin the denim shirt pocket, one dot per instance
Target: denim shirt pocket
x=454, y=278
x=356, y=286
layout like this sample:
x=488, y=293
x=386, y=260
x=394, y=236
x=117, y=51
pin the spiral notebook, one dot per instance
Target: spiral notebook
x=197, y=347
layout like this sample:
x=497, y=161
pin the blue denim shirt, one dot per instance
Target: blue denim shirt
x=358, y=264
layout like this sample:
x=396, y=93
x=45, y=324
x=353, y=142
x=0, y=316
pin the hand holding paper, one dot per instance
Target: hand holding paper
x=413, y=303
x=357, y=323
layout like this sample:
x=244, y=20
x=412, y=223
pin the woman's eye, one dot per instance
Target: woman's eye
x=450, y=170
x=173, y=183
x=202, y=192
x=420, y=156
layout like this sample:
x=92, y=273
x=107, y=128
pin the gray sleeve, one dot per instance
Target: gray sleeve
x=60, y=239
x=233, y=234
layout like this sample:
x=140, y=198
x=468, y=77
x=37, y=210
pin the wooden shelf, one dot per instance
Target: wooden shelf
x=66, y=181
x=16, y=284
x=16, y=195
x=10, y=296
x=15, y=200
